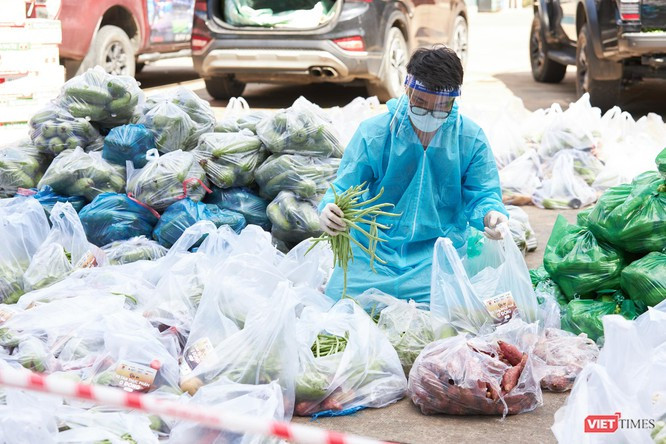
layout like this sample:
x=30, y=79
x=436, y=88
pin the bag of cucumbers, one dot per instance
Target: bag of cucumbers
x=103, y=98
x=54, y=130
x=294, y=219
x=304, y=176
x=21, y=166
x=77, y=173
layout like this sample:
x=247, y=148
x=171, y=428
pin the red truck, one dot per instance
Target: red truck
x=119, y=35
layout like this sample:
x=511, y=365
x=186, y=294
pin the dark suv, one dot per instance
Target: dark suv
x=611, y=42
x=362, y=40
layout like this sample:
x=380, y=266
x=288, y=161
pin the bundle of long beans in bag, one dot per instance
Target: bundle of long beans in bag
x=356, y=213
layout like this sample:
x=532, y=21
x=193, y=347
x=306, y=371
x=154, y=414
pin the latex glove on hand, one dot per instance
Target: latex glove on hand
x=491, y=221
x=331, y=221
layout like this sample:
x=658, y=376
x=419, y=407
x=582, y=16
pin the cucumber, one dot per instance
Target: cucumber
x=88, y=94
x=92, y=112
x=117, y=88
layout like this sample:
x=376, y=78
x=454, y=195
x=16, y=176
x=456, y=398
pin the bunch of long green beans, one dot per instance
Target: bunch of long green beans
x=356, y=212
x=327, y=345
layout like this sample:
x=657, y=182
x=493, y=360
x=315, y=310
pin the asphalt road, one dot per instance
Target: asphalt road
x=498, y=71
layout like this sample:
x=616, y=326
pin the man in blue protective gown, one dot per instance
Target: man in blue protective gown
x=434, y=165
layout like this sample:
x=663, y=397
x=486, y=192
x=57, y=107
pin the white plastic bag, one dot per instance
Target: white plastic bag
x=577, y=128
x=484, y=289
x=64, y=250
x=521, y=230
x=564, y=188
x=345, y=362
x=311, y=269
x=347, y=119
x=521, y=178
x=23, y=228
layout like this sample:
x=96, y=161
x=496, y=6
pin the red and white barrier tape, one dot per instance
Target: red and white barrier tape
x=205, y=415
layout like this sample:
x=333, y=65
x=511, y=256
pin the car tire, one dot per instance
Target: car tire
x=544, y=70
x=223, y=88
x=139, y=67
x=112, y=50
x=604, y=94
x=394, y=68
x=460, y=39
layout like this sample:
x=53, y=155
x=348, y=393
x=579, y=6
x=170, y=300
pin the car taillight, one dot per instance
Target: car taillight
x=630, y=10
x=201, y=5
x=351, y=43
x=199, y=42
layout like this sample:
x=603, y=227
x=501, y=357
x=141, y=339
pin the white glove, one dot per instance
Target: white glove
x=331, y=221
x=491, y=223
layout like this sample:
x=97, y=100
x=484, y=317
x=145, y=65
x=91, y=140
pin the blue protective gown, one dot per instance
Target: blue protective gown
x=438, y=191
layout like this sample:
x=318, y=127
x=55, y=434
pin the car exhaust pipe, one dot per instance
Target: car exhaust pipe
x=329, y=72
x=316, y=71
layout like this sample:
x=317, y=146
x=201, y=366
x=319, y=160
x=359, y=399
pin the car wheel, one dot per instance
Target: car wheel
x=459, y=39
x=222, y=88
x=112, y=50
x=543, y=69
x=394, y=69
x=603, y=93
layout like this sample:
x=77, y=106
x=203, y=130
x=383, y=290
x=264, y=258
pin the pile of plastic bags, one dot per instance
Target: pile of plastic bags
x=562, y=159
x=613, y=261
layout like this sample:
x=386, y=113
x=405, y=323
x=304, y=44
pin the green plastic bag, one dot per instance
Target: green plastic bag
x=580, y=264
x=661, y=163
x=538, y=275
x=584, y=315
x=645, y=279
x=637, y=222
x=583, y=218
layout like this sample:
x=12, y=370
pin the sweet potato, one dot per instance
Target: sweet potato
x=510, y=352
x=510, y=378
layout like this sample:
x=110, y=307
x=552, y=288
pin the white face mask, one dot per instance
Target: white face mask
x=427, y=123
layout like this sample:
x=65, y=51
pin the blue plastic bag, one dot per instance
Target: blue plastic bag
x=243, y=201
x=48, y=198
x=185, y=213
x=112, y=217
x=128, y=142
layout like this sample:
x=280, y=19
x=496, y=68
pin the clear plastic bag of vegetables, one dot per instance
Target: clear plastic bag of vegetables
x=564, y=188
x=229, y=159
x=585, y=315
x=576, y=128
x=103, y=425
x=485, y=375
x=644, y=280
x=236, y=108
x=304, y=176
x=48, y=198
x=104, y=98
x=131, y=250
x=135, y=358
x=128, y=143
x=28, y=417
x=638, y=223
x=263, y=402
x=167, y=179
x=345, y=362
x=579, y=263
x=54, y=130
x=489, y=285
x=23, y=228
x=21, y=166
x=521, y=178
x=77, y=173
x=64, y=250
x=560, y=356
x=521, y=230
x=243, y=201
x=177, y=119
x=301, y=129
x=185, y=213
x=262, y=352
x=293, y=219
x=114, y=217
x=408, y=325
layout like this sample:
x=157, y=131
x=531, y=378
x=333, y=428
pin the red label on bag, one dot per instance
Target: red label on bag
x=501, y=307
x=134, y=377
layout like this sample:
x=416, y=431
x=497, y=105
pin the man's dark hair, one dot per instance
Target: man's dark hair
x=438, y=68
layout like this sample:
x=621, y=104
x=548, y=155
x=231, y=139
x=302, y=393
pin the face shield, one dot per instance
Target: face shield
x=426, y=109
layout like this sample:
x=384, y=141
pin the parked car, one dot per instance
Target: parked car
x=119, y=35
x=612, y=43
x=361, y=41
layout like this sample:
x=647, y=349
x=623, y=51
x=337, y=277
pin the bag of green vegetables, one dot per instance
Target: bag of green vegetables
x=21, y=166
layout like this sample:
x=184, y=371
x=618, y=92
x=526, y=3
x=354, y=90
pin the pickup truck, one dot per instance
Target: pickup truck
x=119, y=35
x=612, y=43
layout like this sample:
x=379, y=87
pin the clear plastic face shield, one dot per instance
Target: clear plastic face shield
x=426, y=109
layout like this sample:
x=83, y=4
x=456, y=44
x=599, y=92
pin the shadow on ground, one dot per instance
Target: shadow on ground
x=154, y=76
x=640, y=99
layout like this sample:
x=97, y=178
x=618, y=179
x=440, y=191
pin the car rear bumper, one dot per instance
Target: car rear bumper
x=286, y=60
x=642, y=43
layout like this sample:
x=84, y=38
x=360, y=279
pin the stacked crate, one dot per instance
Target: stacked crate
x=30, y=70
